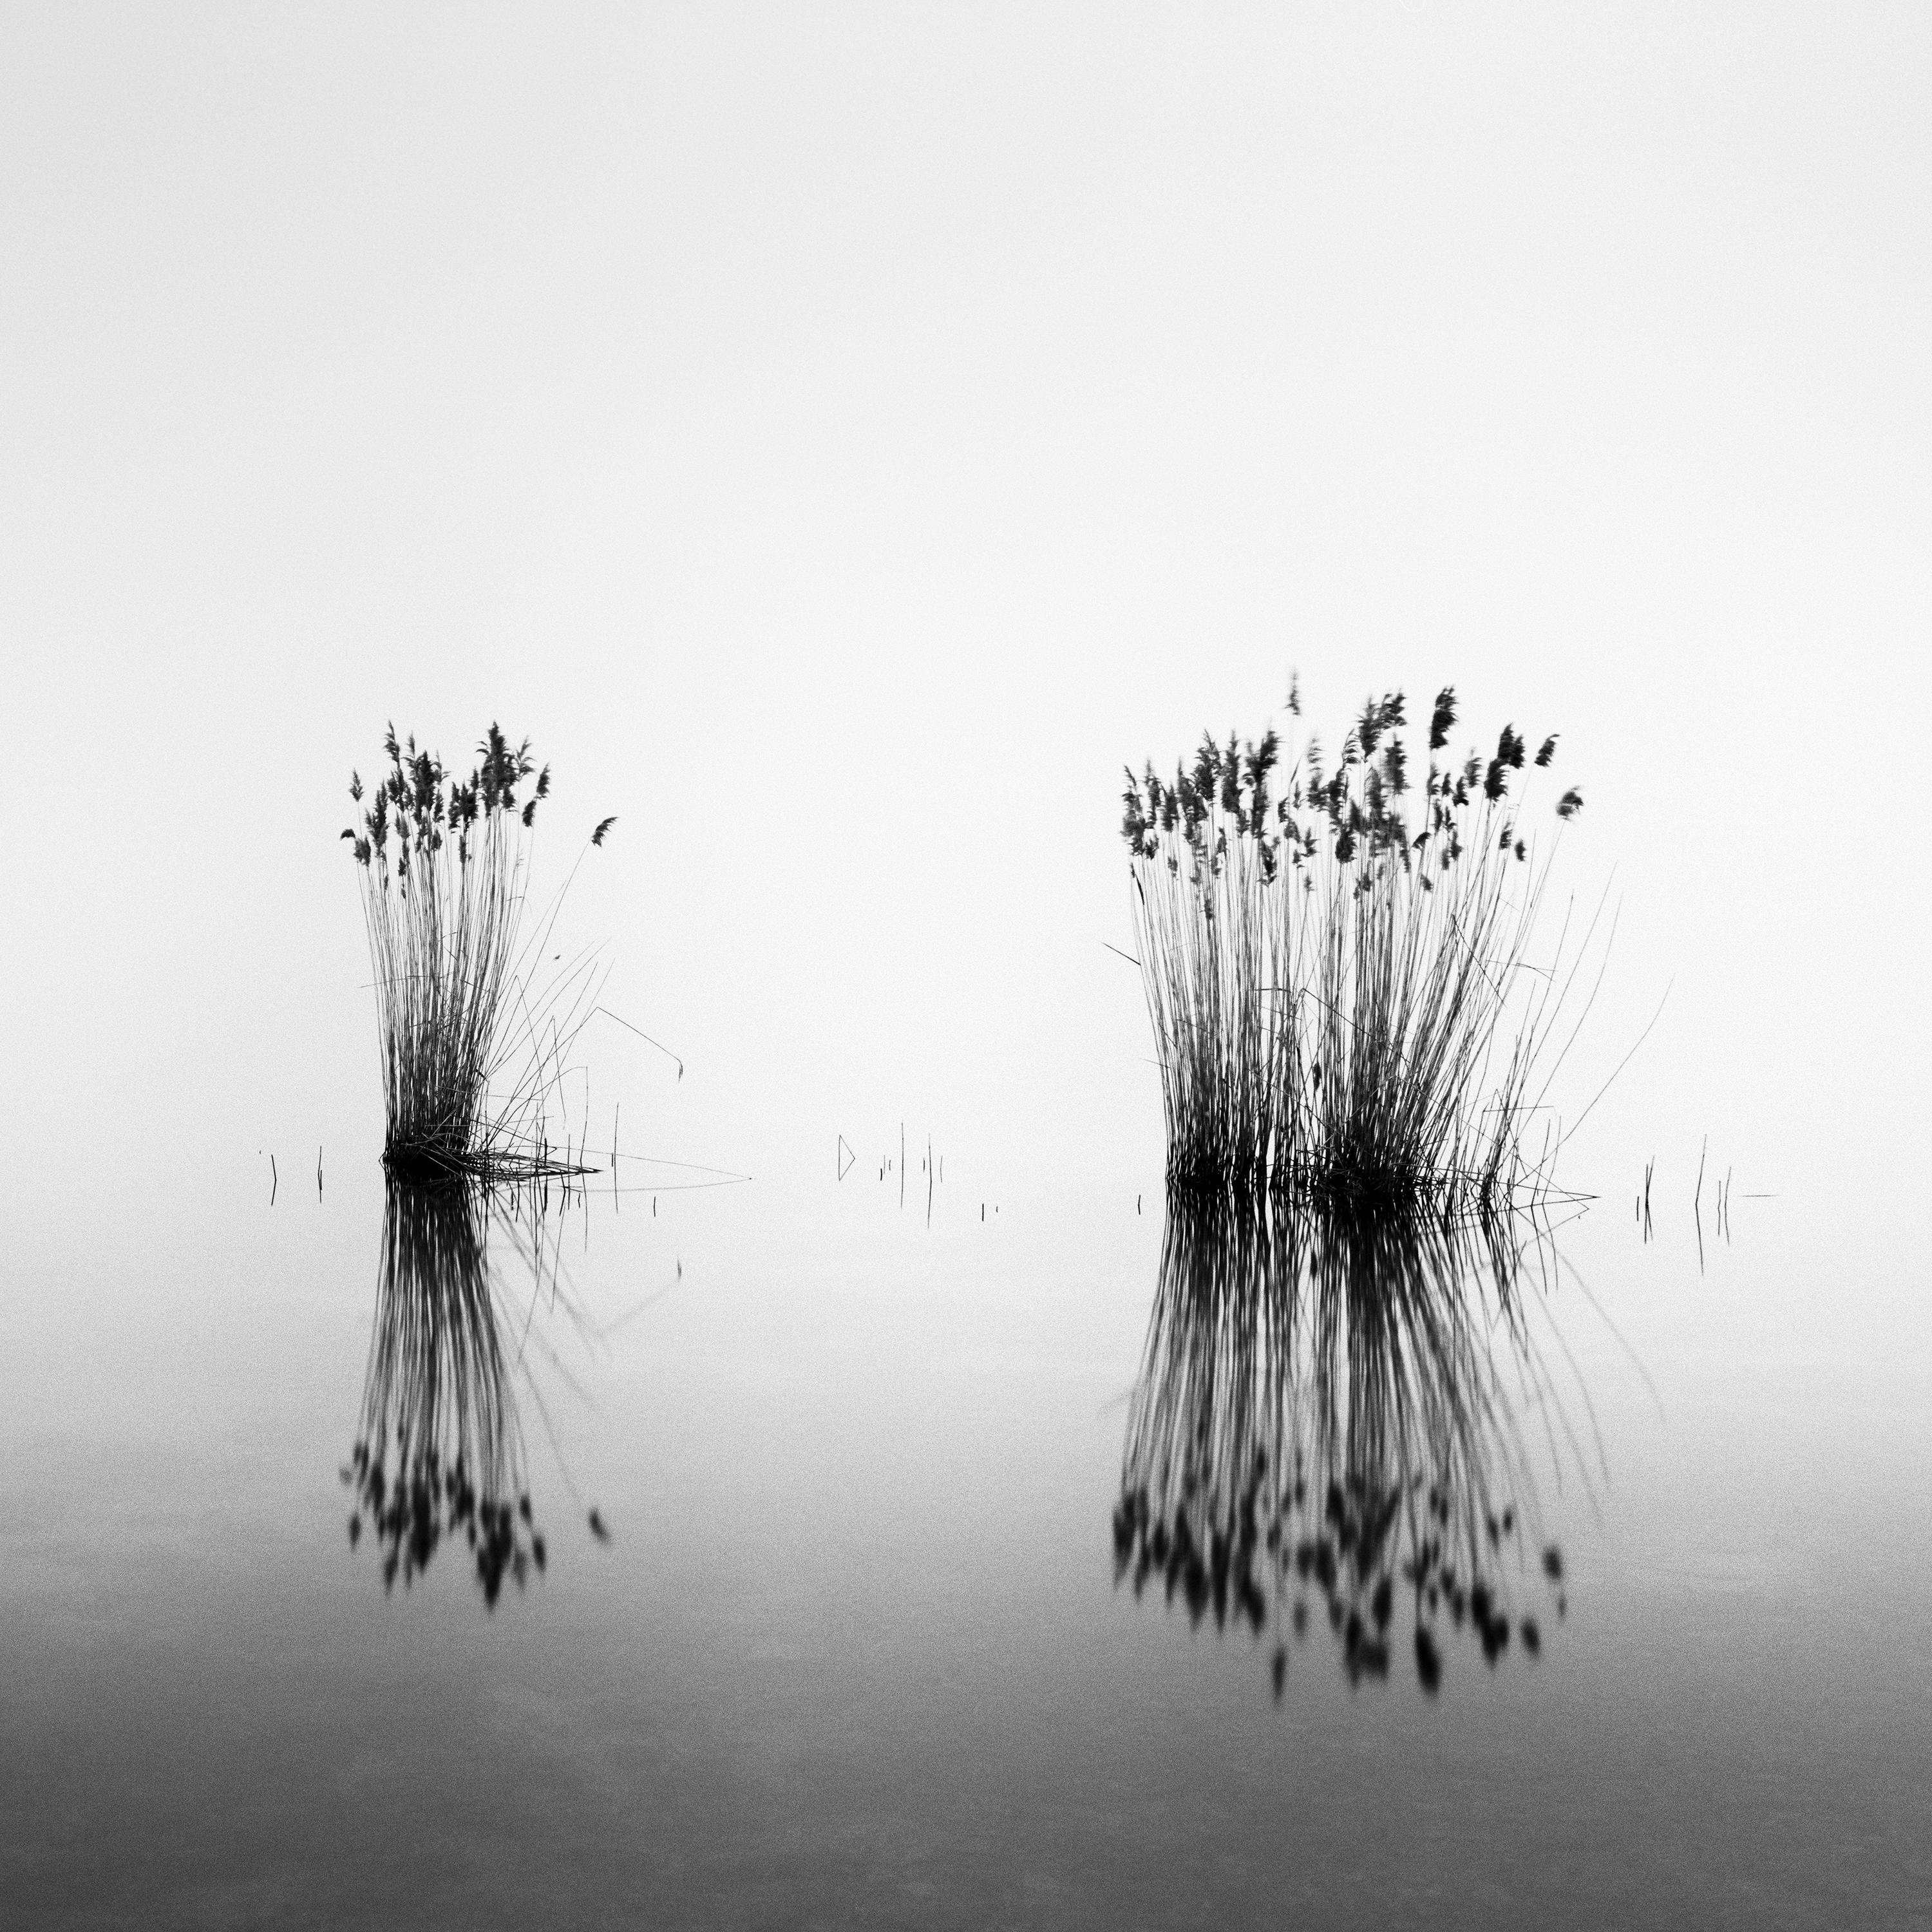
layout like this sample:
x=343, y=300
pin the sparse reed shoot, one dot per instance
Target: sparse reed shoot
x=1341, y=996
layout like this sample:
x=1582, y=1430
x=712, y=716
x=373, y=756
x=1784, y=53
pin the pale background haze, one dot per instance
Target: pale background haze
x=842, y=437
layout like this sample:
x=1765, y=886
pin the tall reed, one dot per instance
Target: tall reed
x=474, y=1035
x=1340, y=995
x=1325, y=1415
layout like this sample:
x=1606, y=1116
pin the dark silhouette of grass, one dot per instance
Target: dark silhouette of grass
x=439, y=1453
x=1336, y=965
x=1323, y=1418
x=475, y=1029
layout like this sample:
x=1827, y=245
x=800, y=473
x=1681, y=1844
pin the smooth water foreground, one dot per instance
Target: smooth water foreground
x=858, y=1651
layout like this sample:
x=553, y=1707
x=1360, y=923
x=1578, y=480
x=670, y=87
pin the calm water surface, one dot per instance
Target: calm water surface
x=856, y=1651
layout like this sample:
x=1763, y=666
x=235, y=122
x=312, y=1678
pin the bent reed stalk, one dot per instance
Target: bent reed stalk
x=1342, y=1004
x=471, y=1048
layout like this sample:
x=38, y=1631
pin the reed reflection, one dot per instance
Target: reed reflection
x=439, y=1453
x=1329, y=1425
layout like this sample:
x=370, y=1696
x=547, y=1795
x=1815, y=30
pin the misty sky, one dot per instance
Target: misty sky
x=842, y=436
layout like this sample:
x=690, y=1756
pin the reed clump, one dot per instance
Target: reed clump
x=474, y=1039
x=1335, y=963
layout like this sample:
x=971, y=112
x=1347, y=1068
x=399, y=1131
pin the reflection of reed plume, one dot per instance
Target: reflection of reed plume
x=439, y=1450
x=1322, y=1408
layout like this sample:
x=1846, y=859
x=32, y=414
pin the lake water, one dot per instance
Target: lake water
x=855, y=1652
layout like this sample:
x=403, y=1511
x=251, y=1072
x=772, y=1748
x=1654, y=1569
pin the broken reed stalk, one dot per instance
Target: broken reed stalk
x=1342, y=1004
x=474, y=1038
